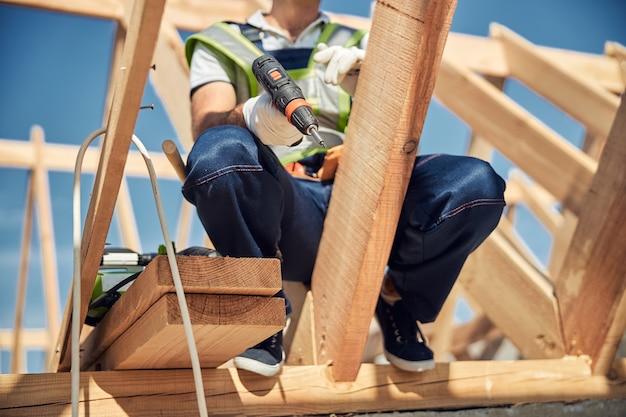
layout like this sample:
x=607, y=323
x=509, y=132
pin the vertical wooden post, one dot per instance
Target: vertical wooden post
x=43, y=207
x=396, y=84
x=126, y=218
x=17, y=349
x=591, y=288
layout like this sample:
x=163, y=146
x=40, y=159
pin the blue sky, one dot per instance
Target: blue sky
x=54, y=73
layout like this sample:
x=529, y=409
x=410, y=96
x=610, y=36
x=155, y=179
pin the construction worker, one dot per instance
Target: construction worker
x=255, y=181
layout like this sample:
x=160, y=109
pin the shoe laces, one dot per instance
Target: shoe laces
x=273, y=341
x=269, y=343
x=405, y=330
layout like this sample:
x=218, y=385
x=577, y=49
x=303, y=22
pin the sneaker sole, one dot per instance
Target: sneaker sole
x=410, y=366
x=257, y=367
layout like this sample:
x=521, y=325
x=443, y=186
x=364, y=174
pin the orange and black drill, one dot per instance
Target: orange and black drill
x=286, y=95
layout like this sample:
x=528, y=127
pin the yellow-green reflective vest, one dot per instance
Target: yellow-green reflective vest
x=236, y=54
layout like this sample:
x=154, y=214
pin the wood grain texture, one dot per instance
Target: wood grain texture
x=142, y=33
x=302, y=390
x=578, y=96
x=517, y=134
x=223, y=326
x=592, y=285
x=515, y=297
x=390, y=106
x=199, y=274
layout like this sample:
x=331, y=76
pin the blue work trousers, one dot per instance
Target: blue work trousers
x=250, y=206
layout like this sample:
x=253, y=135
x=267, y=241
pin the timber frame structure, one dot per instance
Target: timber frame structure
x=566, y=320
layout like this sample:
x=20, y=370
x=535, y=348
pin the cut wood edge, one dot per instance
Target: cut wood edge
x=223, y=327
x=307, y=389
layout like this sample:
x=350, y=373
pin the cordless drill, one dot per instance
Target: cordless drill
x=286, y=95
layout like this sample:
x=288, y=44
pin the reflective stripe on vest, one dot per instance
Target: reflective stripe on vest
x=232, y=48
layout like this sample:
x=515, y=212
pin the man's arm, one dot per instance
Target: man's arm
x=215, y=104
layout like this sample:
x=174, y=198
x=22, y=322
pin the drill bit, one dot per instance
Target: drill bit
x=316, y=136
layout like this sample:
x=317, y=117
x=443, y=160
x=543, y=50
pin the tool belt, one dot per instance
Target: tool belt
x=319, y=167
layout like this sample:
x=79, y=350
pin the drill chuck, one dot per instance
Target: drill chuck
x=286, y=95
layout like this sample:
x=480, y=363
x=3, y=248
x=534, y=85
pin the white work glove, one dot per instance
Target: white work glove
x=268, y=123
x=342, y=65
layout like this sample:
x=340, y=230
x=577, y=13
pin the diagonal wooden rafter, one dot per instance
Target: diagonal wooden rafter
x=592, y=283
x=136, y=62
x=516, y=133
x=354, y=249
x=171, y=80
x=583, y=99
x=185, y=13
x=479, y=54
x=507, y=287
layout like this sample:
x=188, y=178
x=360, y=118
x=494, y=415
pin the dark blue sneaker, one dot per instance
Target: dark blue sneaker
x=265, y=359
x=404, y=343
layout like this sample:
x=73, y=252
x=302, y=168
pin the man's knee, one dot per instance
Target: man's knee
x=488, y=179
x=219, y=151
x=221, y=147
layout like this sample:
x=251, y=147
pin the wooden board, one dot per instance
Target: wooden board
x=480, y=54
x=62, y=157
x=390, y=106
x=306, y=390
x=199, y=274
x=223, y=326
x=580, y=97
x=517, y=134
x=136, y=62
x=515, y=297
x=592, y=284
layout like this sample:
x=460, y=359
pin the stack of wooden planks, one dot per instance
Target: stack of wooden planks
x=230, y=304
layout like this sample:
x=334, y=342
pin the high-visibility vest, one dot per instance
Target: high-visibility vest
x=236, y=50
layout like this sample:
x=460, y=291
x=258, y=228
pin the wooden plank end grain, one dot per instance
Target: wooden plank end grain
x=199, y=274
x=223, y=326
x=302, y=390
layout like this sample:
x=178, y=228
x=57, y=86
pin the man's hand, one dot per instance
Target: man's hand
x=268, y=123
x=342, y=65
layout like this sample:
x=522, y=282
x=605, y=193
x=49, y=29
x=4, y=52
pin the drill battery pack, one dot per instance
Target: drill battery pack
x=110, y=284
x=119, y=268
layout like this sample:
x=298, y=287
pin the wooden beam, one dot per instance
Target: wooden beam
x=487, y=56
x=387, y=121
x=223, y=327
x=43, y=209
x=301, y=334
x=171, y=81
x=517, y=134
x=187, y=14
x=507, y=229
x=136, y=62
x=306, y=390
x=592, y=285
x=126, y=219
x=515, y=297
x=199, y=274
x=106, y=9
x=60, y=157
x=539, y=201
x=583, y=99
x=116, y=62
x=28, y=338
x=17, y=356
x=478, y=53
x=195, y=15
x=618, y=52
